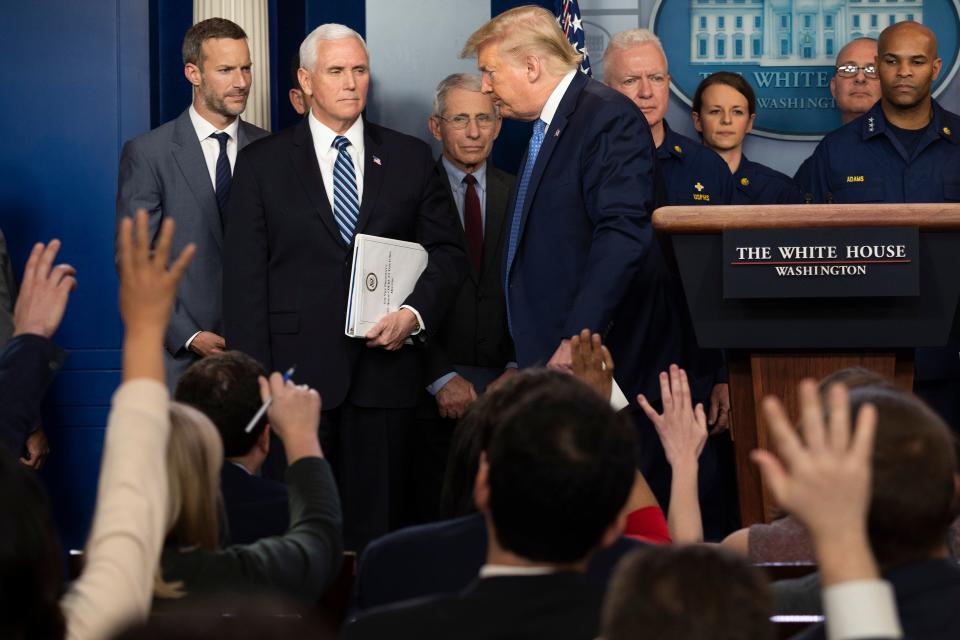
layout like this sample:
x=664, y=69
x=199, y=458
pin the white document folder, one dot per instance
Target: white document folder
x=384, y=273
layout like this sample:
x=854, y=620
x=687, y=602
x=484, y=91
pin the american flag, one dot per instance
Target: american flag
x=568, y=17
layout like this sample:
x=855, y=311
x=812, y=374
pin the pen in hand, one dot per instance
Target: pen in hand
x=288, y=374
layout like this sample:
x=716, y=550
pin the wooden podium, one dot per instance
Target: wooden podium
x=771, y=344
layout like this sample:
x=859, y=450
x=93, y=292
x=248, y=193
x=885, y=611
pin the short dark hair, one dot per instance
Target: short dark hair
x=560, y=455
x=224, y=387
x=692, y=592
x=204, y=30
x=913, y=500
x=734, y=81
x=472, y=436
x=295, y=72
x=30, y=572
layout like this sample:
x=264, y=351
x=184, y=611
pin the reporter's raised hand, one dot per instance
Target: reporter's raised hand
x=824, y=478
x=44, y=292
x=294, y=415
x=147, y=286
x=591, y=362
x=147, y=290
x=682, y=428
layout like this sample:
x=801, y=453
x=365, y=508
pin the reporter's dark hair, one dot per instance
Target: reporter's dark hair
x=295, y=72
x=692, y=592
x=224, y=388
x=913, y=499
x=562, y=464
x=733, y=80
x=193, y=39
x=472, y=436
x=31, y=577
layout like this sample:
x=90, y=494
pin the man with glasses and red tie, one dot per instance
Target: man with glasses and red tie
x=472, y=347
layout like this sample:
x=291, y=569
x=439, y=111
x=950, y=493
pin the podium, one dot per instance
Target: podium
x=772, y=341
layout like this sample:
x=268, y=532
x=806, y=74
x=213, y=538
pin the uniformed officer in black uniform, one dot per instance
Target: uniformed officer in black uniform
x=905, y=149
x=724, y=108
x=855, y=89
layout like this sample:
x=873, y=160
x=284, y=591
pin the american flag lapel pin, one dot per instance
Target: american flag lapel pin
x=377, y=161
x=556, y=134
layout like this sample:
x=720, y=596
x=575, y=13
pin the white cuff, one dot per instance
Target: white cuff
x=861, y=609
x=419, y=319
x=190, y=340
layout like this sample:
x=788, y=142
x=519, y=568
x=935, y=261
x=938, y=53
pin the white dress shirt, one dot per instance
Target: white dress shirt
x=211, y=147
x=327, y=154
x=323, y=137
x=550, y=107
x=211, y=153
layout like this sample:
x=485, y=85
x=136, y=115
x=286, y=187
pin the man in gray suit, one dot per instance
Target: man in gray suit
x=183, y=168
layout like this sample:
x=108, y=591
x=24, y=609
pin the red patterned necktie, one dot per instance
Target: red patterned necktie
x=473, y=222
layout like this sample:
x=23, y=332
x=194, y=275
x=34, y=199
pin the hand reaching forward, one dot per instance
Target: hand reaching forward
x=591, y=362
x=681, y=428
x=44, y=292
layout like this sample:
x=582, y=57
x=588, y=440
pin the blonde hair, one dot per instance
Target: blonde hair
x=524, y=31
x=194, y=459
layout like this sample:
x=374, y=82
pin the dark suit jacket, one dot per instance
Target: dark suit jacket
x=256, y=507
x=443, y=558
x=287, y=270
x=27, y=365
x=475, y=331
x=163, y=171
x=552, y=607
x=927, y=594
x=584, y=228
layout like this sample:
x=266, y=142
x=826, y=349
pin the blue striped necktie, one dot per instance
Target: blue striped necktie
x=223, y=170
x=539, y=128
x=346, y=204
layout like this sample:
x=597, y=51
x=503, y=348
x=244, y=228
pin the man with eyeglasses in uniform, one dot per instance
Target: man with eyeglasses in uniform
x=906, y=148
x=473, y=347
x=855, y=88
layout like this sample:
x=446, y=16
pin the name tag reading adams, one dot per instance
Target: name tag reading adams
x=821, y=263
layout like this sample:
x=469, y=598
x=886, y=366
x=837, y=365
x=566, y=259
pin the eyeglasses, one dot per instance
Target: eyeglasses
x=483, y=120
x=851, y=70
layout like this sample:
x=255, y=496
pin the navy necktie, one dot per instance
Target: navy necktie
x=346, y=204
x=223, y=170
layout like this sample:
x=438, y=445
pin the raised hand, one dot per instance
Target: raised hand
x=44, y=292
x=591, y=362
x=294, y=415
x=823, y=479
x=682, y=428
x=147, y=290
